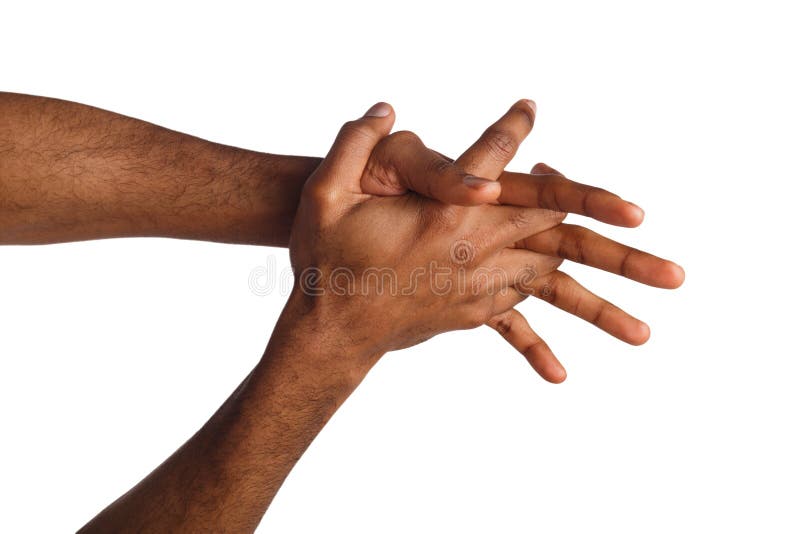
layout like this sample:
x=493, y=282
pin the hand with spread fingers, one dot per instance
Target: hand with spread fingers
x=392, y=243
x=386, y=272
x=401, y=163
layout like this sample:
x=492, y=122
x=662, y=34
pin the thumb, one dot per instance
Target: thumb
x=342, y=168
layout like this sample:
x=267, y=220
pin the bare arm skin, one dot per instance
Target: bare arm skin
x=225, y=476
x=70, y=172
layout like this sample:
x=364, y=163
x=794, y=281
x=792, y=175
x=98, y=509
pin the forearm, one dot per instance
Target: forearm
x=224, y=477
x=73, y=172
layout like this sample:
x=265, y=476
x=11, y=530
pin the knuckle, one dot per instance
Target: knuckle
x=500, y=144
x=318, y=195
x=355, y=129
x=521, y=218
x=537, y=272
x=597, y=317
x=573, y=248
x=445, y=217
x=439, y=166
x=549, y=291
x=592, y=196
x=479, y=285
x=489, y=281
x=545, y=169
x=540, y=168
x=476, y=317
x=625, y=264
x=525, y=279
x=434, y=169
x=404, y=137
x=502, y=323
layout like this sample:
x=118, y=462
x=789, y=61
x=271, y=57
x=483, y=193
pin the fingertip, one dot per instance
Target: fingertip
x=545, y=363
x=380, y=110
x=618, y=212
x=675, y=275
x=480, y=190
x=634, y=214
x=525, y=107
x=639, y=334
x=667, y=275
x=557, y=376
x=354, y=145
x=380, y=117
x=531, y=105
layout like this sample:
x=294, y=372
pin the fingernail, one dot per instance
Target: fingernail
x=381, y=109
x=477, y=183
x=641, y=211
x=532, y=105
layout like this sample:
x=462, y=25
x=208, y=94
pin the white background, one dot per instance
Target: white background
x=113, y=353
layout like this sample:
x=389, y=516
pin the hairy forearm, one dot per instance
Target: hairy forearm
x=225, y=476
x=73, y=172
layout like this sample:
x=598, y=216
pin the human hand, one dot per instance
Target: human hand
x=447, y=267
x=395, y=170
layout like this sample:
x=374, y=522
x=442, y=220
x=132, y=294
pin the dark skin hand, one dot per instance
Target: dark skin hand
x=224, y=477
x=72, y=172
x=543, y=188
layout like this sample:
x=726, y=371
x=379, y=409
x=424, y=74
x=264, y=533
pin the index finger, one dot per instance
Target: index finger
x=496, y=147
x=547, y=188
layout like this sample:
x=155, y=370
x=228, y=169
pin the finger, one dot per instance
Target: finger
x=581, y=245
x=562, y=291
x=549, y=189
x=496, y=147
x=514, y=268
x=404, y=163
x=503, y=226
x=344, y=164
x=516, y=330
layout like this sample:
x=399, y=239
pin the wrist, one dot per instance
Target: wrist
x=327, y=335
x=276, y=195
